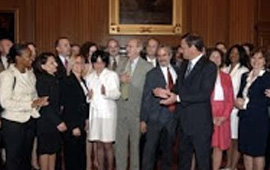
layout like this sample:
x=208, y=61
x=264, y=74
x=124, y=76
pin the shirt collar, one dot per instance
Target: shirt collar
x=150, y=59
x=135, y=61
x=196, y=59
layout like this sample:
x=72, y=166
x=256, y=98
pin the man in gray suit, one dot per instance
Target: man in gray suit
x=132, y=76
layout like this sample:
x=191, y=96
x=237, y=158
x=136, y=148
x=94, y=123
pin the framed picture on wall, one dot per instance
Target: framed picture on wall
x=145, y=17
x=9, y=26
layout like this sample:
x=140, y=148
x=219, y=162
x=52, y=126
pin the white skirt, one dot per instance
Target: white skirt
x=102, y=129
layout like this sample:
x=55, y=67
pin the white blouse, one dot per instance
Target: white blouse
x=219, y=94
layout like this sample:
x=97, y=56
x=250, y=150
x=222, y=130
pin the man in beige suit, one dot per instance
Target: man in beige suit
x=5, y=45
x=113, y=48
x=132, y=76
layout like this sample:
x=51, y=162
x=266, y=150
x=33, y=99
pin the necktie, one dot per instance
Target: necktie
x=189, y=68
x=66, y=63
x=114, y=65
x=125, y=86
x=170, y=86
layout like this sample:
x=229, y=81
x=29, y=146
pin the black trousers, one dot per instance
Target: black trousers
x=75, y=151
x=159, y=137
x=200, y=144
x=18, y=141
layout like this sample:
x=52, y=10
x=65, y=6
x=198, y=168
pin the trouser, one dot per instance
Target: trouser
x=127, y=130
x=159, y=136
x=18, y=140
x=75, y=151
x=199, y=143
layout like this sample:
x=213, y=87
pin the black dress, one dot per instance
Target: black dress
x=254, y=121
x=75, y=114
x=48, y=136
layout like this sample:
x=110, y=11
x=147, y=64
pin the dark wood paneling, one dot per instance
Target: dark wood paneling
x=43, y=21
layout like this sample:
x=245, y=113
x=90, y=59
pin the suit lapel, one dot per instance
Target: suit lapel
x=196, y=68
x=74, y=78
x=160, y=74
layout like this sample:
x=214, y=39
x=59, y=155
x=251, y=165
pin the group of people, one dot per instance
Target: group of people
x=87, y=107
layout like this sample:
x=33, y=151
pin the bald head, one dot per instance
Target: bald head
x=134, y=47
x=151, y=47
x=5, y=45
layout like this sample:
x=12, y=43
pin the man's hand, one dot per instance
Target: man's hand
x=125, y=78
x=161, y=93
x=170, y=100
x=143, y=127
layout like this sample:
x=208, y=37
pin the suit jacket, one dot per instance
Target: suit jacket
x=131, y=107
x=17, y=94
x=258, y=102
x=61, y=69
x=151, y=110
x=195, y=93
x=48, y=85
x=121, y=61
x=226, y=84
x=74, y=101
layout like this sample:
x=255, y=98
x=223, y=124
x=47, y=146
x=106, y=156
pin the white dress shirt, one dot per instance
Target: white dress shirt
x=134, y=64
x=165, y=73
x=152, y=61
x=219, y=94
x=63, y=59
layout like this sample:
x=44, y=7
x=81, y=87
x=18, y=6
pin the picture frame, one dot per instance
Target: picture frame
x=140, y=17
x=9, y=24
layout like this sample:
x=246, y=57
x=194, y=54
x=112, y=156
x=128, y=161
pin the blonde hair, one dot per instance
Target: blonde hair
x=72, y=62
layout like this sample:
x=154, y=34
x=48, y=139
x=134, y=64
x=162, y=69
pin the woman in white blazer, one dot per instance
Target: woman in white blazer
x=236, y=66
x=103, y=86
x=19, y=100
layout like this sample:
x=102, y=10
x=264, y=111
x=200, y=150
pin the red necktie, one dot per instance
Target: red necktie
x=66, y=63
x=170, y=86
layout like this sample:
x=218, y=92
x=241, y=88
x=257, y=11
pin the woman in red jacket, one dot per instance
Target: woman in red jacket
x=222, y=104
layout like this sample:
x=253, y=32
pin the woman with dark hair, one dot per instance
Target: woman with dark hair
x=75, y=115
x=222, y=104
x=253, y=115
x=236, y=66
x=87, y=49
x=103, y=86
x=21, y=103
x=49, y=125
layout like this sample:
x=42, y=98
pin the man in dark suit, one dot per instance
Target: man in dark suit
x=151, y=51
x=158, y=121
x=193, y=90
x=63, y=49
